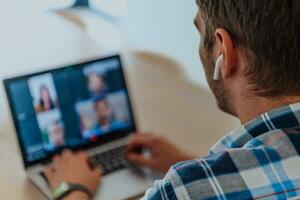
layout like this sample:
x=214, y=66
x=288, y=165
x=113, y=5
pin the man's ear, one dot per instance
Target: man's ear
x=225, y=47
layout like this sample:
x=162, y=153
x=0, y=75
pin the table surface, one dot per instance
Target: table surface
x=165, y=102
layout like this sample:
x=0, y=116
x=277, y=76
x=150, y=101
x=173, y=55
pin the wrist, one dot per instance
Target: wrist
x=78, y=195
x=66, y=191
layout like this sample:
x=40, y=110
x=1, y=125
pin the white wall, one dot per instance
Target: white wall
x=167, y=26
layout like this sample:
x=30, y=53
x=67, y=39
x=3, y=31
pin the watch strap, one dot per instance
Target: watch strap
x=66, y=188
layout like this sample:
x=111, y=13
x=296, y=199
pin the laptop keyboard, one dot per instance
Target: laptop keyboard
x=110, y=161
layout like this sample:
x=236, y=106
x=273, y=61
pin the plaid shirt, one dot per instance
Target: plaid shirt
x=259, y=160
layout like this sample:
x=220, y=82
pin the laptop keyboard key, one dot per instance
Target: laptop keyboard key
x=111, y=160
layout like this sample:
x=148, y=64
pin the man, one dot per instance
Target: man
x=96, y=85
x=253, y=44
x=106, y=121
x=56, y=134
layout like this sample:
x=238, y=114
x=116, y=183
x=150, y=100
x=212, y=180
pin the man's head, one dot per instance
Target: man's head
x=103, y=111
x=259, y=43
x=95, y=82
x=56, y=134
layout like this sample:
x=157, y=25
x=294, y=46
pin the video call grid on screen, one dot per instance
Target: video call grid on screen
x=74, y=106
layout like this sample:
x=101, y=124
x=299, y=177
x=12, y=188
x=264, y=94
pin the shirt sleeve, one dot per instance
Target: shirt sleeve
x=203, y=178
x=161, y=190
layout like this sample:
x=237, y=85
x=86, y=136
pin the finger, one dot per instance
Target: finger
x=66, y=154
x=97, y=172
x=83, y=155
x=49, y=173
x=83, y=160
x=140, y=141
x=56, y=160
x=139, y=160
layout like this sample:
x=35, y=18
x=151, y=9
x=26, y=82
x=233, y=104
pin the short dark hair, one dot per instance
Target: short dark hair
x=268, y=32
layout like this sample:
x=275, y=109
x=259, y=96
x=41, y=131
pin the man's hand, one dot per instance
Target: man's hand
x=163, y=154
x=74, y=168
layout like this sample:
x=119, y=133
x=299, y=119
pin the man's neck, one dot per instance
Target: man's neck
x=251, y=107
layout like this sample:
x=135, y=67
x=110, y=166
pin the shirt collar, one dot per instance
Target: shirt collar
x=280, y=118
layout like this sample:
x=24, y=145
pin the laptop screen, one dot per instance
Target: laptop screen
x=75, y=107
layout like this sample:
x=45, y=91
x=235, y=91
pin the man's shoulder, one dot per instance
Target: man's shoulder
x=276, y=146
x=197, y=169
x=214, y=176
x=265, y=166
x=243, y=173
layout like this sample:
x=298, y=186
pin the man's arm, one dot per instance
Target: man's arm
x=75, y=168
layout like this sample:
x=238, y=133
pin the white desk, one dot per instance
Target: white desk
x=165, y=102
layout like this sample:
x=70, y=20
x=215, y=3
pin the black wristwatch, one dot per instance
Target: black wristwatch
x=65, y=188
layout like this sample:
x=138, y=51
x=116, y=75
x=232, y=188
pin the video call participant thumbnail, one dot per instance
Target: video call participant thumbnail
x=106, y=121
x=43, y=93
x=56, y=134
x=45, y=101
x=96, y=84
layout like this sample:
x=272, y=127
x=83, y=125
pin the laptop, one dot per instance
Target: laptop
x=84, y=106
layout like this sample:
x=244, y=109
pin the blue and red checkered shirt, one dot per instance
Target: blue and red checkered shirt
x=259, y=160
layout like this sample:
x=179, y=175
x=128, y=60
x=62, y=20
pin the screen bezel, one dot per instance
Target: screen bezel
x=101, y=140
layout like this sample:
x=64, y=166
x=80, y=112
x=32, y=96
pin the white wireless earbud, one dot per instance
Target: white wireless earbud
x=218, y=67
